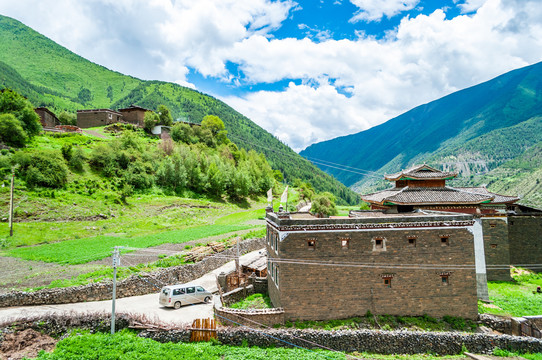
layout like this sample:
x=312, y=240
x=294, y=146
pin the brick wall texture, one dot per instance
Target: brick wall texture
x=496, y=248
x=525, y=236
x=96, y=118
x=318, y=292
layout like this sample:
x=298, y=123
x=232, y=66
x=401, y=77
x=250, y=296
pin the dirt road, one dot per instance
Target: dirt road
x=145, y=304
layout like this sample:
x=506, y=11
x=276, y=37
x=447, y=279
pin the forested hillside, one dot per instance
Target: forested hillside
x=52, y=76
x=483, y=132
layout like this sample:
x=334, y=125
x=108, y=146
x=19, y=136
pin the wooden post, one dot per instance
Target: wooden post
x=11, y=203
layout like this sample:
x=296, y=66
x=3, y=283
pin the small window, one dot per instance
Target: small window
x=493, y=246
x=492, y=225
x=445, y=279
x=345, y=243
x=444, y=241
x=277, y=243
x=311, y=244
x=379, y=244
x=511, y=222
x=111, y=116
x=387, y=282
x=412, y=242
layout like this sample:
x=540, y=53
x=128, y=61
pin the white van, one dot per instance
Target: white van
x=177, y=295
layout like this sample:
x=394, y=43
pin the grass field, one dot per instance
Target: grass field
x=80, y=251
x=515, y=298
x=127, y=345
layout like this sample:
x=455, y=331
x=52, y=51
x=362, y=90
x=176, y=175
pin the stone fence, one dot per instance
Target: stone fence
x=131, y=286
x=379, y=342
x=251, y=318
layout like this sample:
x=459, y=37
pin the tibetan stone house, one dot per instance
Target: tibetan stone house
x=398, y=264
x=47, y=118
x=97, y=117
x=134, y=114
x=511, y=232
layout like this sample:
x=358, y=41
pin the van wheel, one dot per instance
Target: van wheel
x=207, y=299
x=177, y=305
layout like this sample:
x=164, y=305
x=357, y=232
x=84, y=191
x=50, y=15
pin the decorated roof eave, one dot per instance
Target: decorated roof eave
x=390, y=203
x=403, y=177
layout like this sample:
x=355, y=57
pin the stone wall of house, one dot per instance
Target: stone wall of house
x=317, y=292
x=131, y=286
x=379, y=342
x=87, y=119
x=525, y=236
x=134, y=116
x=496, y=248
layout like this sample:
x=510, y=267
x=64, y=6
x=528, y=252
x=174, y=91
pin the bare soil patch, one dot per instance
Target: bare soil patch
x=26, y=343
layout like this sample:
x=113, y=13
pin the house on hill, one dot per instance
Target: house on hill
x=48, y=119
x=134, y=114
x=97, y=117
x=424, y=188
x=412, y=263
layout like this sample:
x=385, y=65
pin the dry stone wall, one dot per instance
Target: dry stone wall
x=380, y=342
x=131, y=286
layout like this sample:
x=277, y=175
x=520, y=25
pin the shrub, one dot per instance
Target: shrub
x=78, y=159
x=11, y=131
x=46, y=168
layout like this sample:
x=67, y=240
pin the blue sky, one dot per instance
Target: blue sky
x=306, y=71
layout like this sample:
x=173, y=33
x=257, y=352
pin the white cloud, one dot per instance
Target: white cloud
x=374, y=10
x=426, y=58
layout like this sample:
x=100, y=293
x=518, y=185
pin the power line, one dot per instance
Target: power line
x=322, y=162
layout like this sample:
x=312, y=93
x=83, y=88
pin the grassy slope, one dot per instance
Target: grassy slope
x=50, y=75
x=515, y=298
x=478, y=128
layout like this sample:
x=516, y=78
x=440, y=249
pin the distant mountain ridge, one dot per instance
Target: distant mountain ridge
x=478, y=131
x=52, y=76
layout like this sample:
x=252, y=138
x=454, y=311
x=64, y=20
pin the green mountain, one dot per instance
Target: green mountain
x=52, y=76
x=490, y=133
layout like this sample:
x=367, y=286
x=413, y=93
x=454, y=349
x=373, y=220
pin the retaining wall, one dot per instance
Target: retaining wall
x=249, y=317
x=131, y=286
x=380, y=342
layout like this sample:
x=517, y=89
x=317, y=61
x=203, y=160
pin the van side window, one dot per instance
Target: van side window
x=178, y=291
x=190, y=290
x=200, y=289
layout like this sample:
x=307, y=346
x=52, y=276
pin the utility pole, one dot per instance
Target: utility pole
x=116, y=262
x=237, y=261
x=11, y=202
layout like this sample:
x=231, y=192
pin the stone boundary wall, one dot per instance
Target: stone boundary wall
x=498, y=323
x=131, y=286
x=380, y=342
x=237, y=294
x=249, y=317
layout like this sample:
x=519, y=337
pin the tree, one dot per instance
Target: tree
x=323, y=205
x=13, y=103
x=213, y=123
x=216, y=127
x=165, y=115
x=84, y=95
x=150, y=120
x=11, y=131
x=67, y=118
